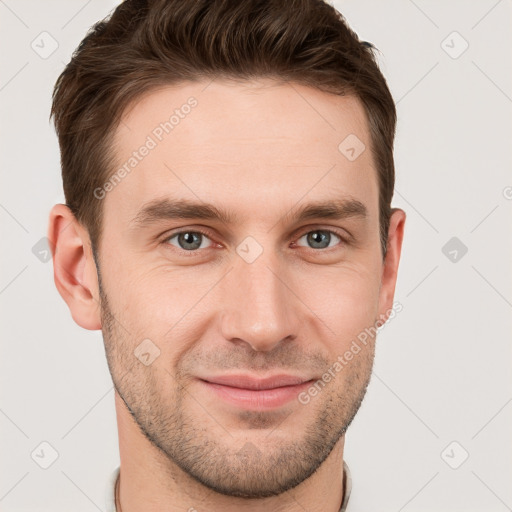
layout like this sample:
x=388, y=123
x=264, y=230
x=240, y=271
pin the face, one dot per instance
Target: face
x=240, y=259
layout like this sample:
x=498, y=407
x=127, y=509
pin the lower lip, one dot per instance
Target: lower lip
x=257, y=399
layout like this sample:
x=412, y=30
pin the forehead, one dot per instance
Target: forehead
x=242, y=144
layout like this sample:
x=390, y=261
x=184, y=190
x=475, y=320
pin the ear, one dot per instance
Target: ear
x=74, y=269
x=390, y=268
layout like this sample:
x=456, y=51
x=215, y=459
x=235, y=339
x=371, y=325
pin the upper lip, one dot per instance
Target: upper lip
x=256, y=383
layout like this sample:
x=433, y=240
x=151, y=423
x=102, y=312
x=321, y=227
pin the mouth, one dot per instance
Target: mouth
x=250, y=392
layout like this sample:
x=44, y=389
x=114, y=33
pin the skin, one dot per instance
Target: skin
x=259, y=150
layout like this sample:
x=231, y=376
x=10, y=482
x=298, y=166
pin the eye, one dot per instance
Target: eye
x=189, y=240
x=319, y=239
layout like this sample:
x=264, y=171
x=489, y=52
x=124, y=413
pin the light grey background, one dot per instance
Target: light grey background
x=442, y=370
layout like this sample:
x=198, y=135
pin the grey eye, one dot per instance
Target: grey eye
x=189, y=240
x=320, y=239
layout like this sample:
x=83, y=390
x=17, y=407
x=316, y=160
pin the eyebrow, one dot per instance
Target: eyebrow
x=167, y=209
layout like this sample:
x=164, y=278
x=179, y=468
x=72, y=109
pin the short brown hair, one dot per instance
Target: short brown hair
x=145, y=44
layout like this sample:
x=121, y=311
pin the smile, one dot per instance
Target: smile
x=252, y=393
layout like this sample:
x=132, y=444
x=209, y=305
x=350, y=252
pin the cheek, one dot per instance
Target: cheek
x=162, y=304
x=346, y=300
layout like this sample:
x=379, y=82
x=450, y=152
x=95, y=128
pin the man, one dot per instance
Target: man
x=228, y=172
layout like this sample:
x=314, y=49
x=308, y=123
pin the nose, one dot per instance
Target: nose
x=259, y=307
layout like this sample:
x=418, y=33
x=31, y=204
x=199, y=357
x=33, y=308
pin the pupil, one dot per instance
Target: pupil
x=319, y=239
x=189, y=241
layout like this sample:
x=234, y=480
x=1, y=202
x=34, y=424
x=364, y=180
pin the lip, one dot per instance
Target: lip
x=250, y=392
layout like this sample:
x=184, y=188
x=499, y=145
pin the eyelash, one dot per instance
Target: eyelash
x=165, y=241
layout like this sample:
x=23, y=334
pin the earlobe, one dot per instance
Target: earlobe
x=74, y=269
x=390, y=268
